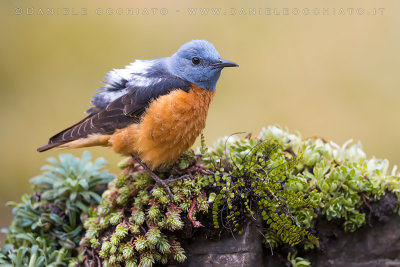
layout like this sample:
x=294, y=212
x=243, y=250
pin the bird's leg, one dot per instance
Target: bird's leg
x=158, y=180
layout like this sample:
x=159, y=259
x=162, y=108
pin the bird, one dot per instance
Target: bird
x=152, y=110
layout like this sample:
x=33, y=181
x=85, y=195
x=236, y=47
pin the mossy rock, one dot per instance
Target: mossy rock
x=275, y=188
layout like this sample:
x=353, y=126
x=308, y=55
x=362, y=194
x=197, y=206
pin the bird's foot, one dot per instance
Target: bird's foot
x=163, y=182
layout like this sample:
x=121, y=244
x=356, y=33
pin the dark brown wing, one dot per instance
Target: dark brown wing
x=122, y=112
x=106, y=121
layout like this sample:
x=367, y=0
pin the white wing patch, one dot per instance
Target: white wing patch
x=142, y=81
x=140, y=66
x=133, y=72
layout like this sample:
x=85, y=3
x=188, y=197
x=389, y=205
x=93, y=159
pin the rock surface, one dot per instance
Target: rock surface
x=241, y=250
x=369, y=246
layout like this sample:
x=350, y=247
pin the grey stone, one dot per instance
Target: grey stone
x=369, y=246
x=233, y=251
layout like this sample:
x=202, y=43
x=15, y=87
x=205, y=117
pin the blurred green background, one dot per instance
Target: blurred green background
x=331, y=75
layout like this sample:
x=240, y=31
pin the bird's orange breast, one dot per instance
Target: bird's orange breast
x=169, y=127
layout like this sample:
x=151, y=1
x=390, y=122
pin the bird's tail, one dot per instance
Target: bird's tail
x=91, y=140
x=48, y=146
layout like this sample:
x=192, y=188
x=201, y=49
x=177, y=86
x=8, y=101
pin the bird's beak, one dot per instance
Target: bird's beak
x=224, y=64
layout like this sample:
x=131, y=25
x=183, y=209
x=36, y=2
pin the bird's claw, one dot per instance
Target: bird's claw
x=166, y=182
x=158, y=180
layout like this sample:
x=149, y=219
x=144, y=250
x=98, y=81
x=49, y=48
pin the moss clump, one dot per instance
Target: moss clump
x=135, y=222
x=344, y=179
x=47, y=225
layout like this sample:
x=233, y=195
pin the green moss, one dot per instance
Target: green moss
x=141, y=227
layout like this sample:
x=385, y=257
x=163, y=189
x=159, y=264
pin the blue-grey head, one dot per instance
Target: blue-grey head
x=198, y=62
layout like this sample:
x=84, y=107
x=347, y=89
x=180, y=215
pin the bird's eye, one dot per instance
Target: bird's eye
x=195, y=60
